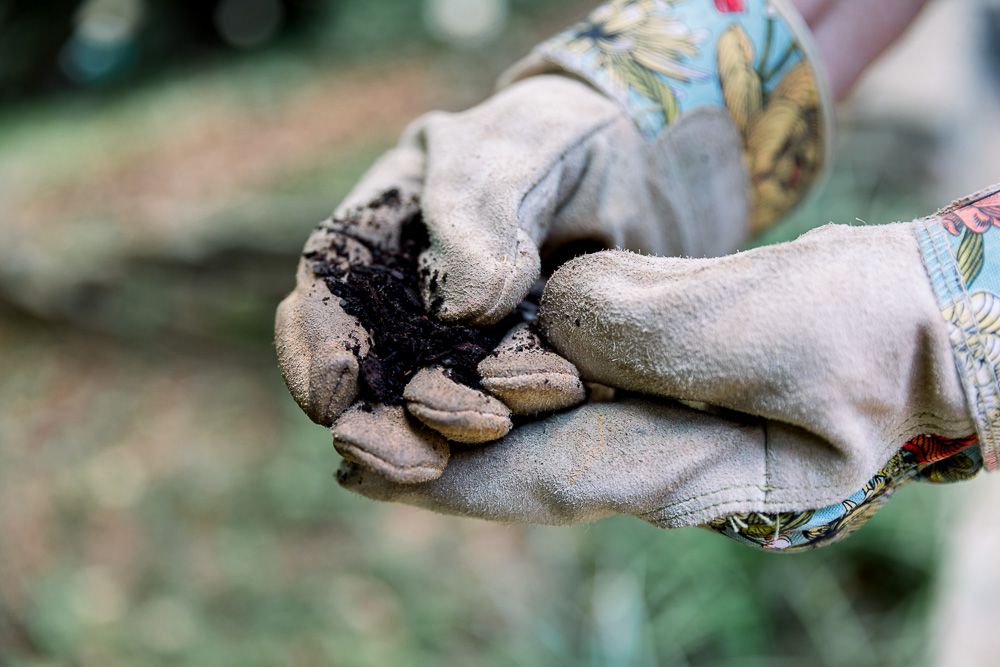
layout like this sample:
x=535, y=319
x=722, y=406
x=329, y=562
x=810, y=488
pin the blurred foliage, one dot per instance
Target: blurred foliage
x=163, y=501
x=63, y=44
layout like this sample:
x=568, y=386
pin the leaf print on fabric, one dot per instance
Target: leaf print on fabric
x=644, y=31
x=650, y=86
x=742, y=87
x=769, y=531
x=639, y=44
x=958, y=468
x=934, y=448
x=858, y=517
x=781, y=130
x=970, y=256
x=976, y=217
x=974, y=324
x=960, y=250
x=975, y=327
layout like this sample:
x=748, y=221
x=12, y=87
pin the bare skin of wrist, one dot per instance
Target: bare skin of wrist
x=852, y=34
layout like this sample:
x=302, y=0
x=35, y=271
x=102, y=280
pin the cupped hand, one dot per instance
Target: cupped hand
x=546, y=165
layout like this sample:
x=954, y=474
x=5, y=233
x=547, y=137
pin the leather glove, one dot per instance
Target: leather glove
x=833, y=369
x=665, y=129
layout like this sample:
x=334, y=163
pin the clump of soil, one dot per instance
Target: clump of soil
x=384, y=296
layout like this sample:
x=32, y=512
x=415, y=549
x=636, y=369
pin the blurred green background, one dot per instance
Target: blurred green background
x=164, y=502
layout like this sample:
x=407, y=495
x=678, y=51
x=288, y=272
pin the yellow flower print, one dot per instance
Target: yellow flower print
x=780, y=129
x=784, y=147
x=637, y=42
x=742, y=87
x=974, y=324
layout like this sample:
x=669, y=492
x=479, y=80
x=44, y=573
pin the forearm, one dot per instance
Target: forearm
x=851, y=34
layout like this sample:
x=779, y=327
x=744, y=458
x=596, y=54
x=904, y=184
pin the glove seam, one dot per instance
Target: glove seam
x=449, y=416
x=333, y=392
x=364, y=453
x=955, y=290
x=737, y=487
x=767, y=458
x=739, y=500
x=905, y=432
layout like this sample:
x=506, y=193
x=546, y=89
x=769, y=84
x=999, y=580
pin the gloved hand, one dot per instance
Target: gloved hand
x=837, y=353
x=697, y=123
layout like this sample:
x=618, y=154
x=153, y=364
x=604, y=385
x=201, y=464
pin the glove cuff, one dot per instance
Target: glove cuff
x=960, y=245
x=755, y=58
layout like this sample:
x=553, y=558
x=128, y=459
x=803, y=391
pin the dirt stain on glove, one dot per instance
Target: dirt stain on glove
x=384, y=295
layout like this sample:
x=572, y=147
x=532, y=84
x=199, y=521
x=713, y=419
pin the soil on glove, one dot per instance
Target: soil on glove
x=385, y=298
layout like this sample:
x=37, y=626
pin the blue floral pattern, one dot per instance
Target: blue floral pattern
x=662, y=58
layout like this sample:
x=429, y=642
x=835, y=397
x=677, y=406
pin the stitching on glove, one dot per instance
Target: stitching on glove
x=713, y=506
x=706, y=508
x=778, y=489
x=847, y=515
x=540, y=374
x=333, y=392
x=561, y=205
x=919, y=421
x=767, y=468
x=676, y=503
x=446, y=415
x=735, y=487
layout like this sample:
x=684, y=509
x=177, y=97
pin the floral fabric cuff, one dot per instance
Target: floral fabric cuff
x=961, y=251
x=926, y=458
x=662, y=58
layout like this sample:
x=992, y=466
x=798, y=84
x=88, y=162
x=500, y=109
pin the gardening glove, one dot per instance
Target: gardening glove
x=663, y=128
x=830, y=371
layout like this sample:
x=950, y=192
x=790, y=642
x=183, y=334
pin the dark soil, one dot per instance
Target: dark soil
x=385, y=298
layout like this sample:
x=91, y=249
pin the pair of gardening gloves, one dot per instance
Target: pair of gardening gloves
x=777, y=395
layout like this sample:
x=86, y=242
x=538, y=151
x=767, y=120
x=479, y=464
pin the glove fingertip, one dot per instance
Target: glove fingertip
x=475, y=286
x=460, y=413
x=528, y=377
x=386, y=441
x=333, y=386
